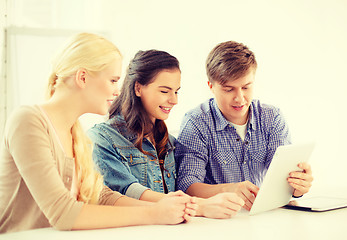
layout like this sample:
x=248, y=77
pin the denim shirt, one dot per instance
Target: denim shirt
x=124, y=167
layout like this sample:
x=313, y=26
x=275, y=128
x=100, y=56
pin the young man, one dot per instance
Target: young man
x=226, y=144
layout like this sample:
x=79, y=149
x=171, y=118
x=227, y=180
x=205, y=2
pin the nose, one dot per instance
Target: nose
x=238, y=95
x=173, y=99
x=116, y=92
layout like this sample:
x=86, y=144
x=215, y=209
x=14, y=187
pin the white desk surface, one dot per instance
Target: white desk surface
x=275, y=224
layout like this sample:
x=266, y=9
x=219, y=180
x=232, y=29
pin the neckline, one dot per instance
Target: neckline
x=45, y=115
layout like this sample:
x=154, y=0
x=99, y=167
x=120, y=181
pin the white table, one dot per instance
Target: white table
x=279, y=224
x=276, y=224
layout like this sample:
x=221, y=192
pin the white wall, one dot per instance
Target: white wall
x=300, y=48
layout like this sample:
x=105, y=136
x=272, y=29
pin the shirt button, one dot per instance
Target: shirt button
x=244, y=162
x=168, y=175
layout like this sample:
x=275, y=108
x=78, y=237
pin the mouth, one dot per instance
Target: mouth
x=238, y=108
x=166, y=109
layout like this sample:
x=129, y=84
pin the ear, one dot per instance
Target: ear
x=81, y=77
x=209, y=85
x=137, y=89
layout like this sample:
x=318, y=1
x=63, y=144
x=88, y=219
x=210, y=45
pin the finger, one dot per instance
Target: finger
x=300, y=182
x=306, y=167
x=190, y=212
x=192, y=206
x=252, y=188
x=302, y=190
x=186, y=217
x=301, y=176
x=247, y=206
x=248, y=196
x=182, y=199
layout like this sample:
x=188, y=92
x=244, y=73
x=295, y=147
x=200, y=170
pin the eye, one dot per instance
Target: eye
x=113, y=81
x=164, y=91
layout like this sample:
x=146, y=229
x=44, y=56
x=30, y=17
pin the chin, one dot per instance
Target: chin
x=163, y=118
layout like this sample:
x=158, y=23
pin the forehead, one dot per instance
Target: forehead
x=242, y=81
x=114, y=67
x=167, y=77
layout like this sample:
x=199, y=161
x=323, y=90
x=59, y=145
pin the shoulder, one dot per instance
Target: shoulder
x=26, y=117
x=200, y=114
x=110, y=132
x=26, y=122
x=264, y=110
x=102, y=130
x=25, y=111
x=200, y=111
x=267, y=116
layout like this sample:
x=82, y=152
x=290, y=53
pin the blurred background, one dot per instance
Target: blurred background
x=300, y=46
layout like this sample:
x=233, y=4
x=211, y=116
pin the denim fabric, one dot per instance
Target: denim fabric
x=124, y=167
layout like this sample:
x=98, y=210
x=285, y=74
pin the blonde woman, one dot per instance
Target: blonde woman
x=48, y=177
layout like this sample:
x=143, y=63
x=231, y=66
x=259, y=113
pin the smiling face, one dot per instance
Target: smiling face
x=103, y=87
x=159, y=96
x=234, y=97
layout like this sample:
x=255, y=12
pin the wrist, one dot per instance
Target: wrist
x=296, y=195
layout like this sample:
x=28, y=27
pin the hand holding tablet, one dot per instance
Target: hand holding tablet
x=275, y=190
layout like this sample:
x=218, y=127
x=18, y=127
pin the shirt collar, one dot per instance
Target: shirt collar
x=221, y=121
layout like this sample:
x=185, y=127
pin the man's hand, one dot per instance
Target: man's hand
x=301, y=181
x=246, y=190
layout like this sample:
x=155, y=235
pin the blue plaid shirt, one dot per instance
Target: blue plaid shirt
x=209, y=150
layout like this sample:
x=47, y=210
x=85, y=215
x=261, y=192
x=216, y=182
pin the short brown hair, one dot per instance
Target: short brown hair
x=229, y=61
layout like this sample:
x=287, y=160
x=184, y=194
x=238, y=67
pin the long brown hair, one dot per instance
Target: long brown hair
x=142, y=69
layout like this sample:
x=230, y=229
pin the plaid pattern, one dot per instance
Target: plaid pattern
x=209, y=150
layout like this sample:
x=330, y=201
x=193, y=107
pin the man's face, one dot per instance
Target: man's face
x=234, y=97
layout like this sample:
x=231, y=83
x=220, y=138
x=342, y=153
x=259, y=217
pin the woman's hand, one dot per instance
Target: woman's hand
x=174, y=208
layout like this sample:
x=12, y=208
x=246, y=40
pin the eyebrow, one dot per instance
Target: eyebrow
x=169, y=88
x=116, y=77
x=234, y=86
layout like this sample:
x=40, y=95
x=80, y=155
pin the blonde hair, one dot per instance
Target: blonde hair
x=93, y=53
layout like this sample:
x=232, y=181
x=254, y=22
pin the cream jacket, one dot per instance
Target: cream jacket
x=36, y=176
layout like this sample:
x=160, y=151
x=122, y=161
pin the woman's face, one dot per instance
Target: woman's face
x=103, y=87
x=160, y=95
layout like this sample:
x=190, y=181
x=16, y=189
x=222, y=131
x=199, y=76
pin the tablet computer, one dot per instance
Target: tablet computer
x=275, y=191
x=317, y=204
